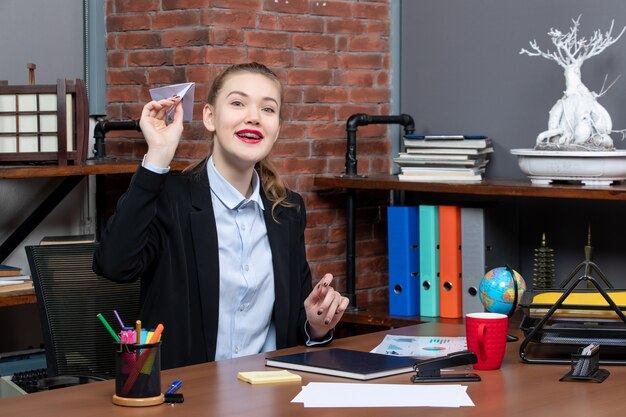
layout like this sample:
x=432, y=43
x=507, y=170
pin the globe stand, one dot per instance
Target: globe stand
x=510, y=337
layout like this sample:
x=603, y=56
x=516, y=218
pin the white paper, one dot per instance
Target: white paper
x=420, y=346
x=185, y=91
x=321, y=394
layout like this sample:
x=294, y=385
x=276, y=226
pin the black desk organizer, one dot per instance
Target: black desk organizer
x=562, y=337
x=585, y=368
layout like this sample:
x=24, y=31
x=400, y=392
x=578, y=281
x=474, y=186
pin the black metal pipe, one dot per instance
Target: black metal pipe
x=362, y=119
x=354, y=121
x=104, y=126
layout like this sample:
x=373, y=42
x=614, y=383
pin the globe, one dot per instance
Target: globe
x=497, y=290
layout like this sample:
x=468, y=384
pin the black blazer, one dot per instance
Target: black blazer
x=164, y=232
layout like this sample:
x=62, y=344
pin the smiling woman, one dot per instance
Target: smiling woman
x=220, y=248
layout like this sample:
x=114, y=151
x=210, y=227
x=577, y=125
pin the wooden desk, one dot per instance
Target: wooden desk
x=212, y=389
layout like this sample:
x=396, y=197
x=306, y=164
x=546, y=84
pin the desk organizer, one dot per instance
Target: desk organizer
x=557, y=322
x=585, y=368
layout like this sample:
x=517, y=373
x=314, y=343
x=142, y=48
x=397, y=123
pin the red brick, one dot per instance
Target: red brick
x=267, y=22
x=314, y=42
x=229, y=18
x=368, y=44
x=167, y=20
x=312, y=112
x=237, y=4
x=125, y=6
x=326, y=130
x=292, y=130
x=321, y=218
x=225, y=55
x=309, y=77
x=356, y=78
x=131, y=111
x=167, y=75
x=126, y=77
x=378, y=27
x=291, y=148
x=268, y=39
x=346, y=111
x=111, y=41
x=329, y=147
x=293, y=94
x=361, y=61
x=304, y=165
x=138, y=40
x=328, y=251
x=153, y=58
x=192, y=149
x=316, y=60
x=122, y=94
x=123, y=23
x=382, y=79
x=272, y=57
x=346, y=26
x=116, y=59
x=183, y=4
x=194, y=55
x=185, y=38
x=325, y=95
x=334, y=8
x=229, y=36
x=291, y=6
x=202, y=73
x=371, y=11
x=370, y=95
x=293, y=23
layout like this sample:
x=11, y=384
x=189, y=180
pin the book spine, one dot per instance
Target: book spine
x=472, y=256
x=429, y=260
x=450, y=289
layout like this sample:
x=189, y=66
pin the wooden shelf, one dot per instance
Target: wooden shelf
x=510, y=188
x=91, y=167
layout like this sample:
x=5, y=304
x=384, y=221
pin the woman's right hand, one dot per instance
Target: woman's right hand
x=162, y=139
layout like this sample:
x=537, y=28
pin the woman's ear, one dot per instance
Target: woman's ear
x=207, y=118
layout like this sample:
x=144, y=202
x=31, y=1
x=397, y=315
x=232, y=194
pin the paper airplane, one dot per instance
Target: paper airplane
x=185, y=91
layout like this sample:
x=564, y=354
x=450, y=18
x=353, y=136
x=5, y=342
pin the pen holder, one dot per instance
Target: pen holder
x=585, y=368
x=138, y=375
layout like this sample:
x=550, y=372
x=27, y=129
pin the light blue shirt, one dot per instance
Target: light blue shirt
x=247, y=295
x=246, y=273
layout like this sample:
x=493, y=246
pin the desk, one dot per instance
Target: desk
x=212, y=389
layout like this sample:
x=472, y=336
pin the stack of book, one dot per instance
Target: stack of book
x=444, y=157
x=11, y=277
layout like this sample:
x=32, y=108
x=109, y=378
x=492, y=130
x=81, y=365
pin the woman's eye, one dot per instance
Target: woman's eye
x=237, y=103
x=269, y=110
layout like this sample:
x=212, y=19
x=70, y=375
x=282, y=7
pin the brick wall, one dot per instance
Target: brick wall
x=334, y=60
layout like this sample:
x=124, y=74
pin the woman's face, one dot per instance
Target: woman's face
x=245, y=120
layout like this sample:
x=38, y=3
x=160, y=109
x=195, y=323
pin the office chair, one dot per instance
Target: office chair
x=69, y=296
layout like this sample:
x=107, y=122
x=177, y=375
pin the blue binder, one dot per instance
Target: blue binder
x=404, y=281
x=429, y=260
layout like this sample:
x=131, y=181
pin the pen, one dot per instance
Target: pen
x=175, y=386
x=108, y=327
x=138, y=332
x=119, y=320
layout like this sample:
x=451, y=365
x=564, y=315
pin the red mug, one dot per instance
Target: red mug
x=486, y=337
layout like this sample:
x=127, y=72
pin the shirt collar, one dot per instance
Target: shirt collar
x=229, y=195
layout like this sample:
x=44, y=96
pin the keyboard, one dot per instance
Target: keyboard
x=28, y=380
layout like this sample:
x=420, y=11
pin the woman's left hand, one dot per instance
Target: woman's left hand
x=324, y=308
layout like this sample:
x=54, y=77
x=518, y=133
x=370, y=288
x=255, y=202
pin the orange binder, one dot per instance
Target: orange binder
x=450, y=284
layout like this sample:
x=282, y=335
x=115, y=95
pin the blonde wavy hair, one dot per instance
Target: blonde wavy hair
x=273, y=186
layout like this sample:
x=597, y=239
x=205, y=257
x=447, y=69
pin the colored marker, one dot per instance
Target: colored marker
x=119, y=320
x=108, y=327
x=138, y=332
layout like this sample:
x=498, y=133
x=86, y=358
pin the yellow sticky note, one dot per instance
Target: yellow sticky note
x=268, y=377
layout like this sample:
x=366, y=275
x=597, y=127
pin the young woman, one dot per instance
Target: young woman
x=219, y=249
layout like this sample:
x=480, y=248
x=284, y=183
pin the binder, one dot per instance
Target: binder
x=472, y=257
x=403, y=246
x=450, y=285
x=490, y=237
x=429, y=260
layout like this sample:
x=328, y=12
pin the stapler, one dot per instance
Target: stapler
x=429, y=370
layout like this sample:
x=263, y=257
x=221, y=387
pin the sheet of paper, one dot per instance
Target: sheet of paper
x=420, y=346
x=321, y=394
x=185, y=91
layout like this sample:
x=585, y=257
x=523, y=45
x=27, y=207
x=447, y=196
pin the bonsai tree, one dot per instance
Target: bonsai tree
x=577, y=121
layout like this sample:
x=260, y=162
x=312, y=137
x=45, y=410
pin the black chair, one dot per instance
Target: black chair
x=69, y=296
